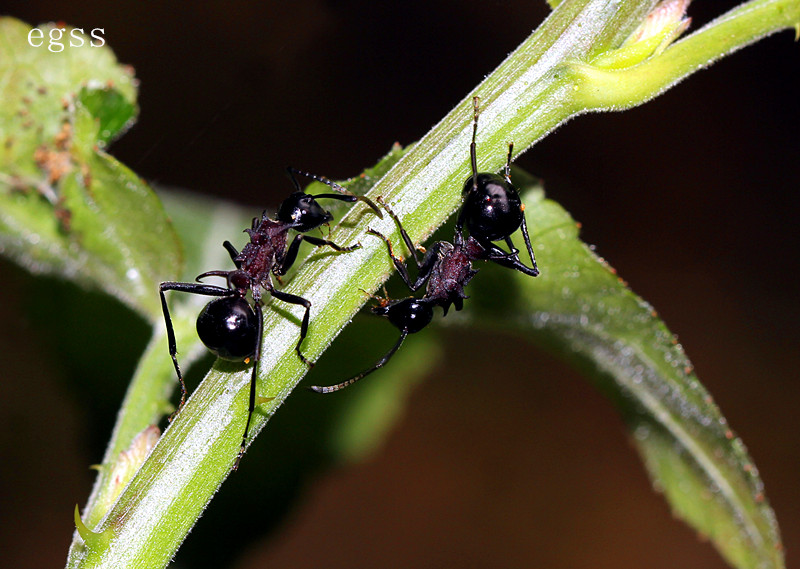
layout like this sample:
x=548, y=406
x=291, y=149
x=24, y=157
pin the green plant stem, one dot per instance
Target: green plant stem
x=526, y=97
x=603, y=89
x=148, y=397
x=145, y=404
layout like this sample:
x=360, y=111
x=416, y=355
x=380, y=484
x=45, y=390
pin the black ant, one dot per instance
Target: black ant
x=493, y=210
x=230, y=326
x=446, y=269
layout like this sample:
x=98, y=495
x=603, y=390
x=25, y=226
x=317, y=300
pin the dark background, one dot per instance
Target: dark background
x=692, y=197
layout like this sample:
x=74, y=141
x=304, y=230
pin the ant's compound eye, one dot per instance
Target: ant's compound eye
x=493, y=209
x=408, y=314
x=303, y=212
x=229, y=328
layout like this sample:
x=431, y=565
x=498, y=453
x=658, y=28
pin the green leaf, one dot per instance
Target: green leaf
x=66, y=207
x=114, y=111
x=583, y=310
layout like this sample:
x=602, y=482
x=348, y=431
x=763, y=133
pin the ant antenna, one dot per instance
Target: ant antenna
x=472, y=152
x=362, y=375
x=382, y=300
x=328, y=182
x=295, y=183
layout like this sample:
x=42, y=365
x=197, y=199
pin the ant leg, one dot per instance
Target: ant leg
x=398, y=262
x=294, y=299
x=207, y=290
x=462, y=214
x=291, y=252
x=512, y=250
x=429, y=261
x=403, y=234
x=173, y=347
x=320, y=242
x=534, y=270
x=233, y=253
x=509, y=260
x=527, y=239
x=290, y=256
x=251, y=407
x=424, y=268
x=352, y=380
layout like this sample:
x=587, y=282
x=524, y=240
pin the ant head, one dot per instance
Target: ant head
x=493, y=209
x=302, y=212
x=409, y=314
x=228, y=327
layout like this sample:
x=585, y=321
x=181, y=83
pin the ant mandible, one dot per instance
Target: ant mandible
x=493, y=210
x=230, y=326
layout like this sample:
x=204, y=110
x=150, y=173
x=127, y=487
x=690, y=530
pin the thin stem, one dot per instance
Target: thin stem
x=603, y=89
